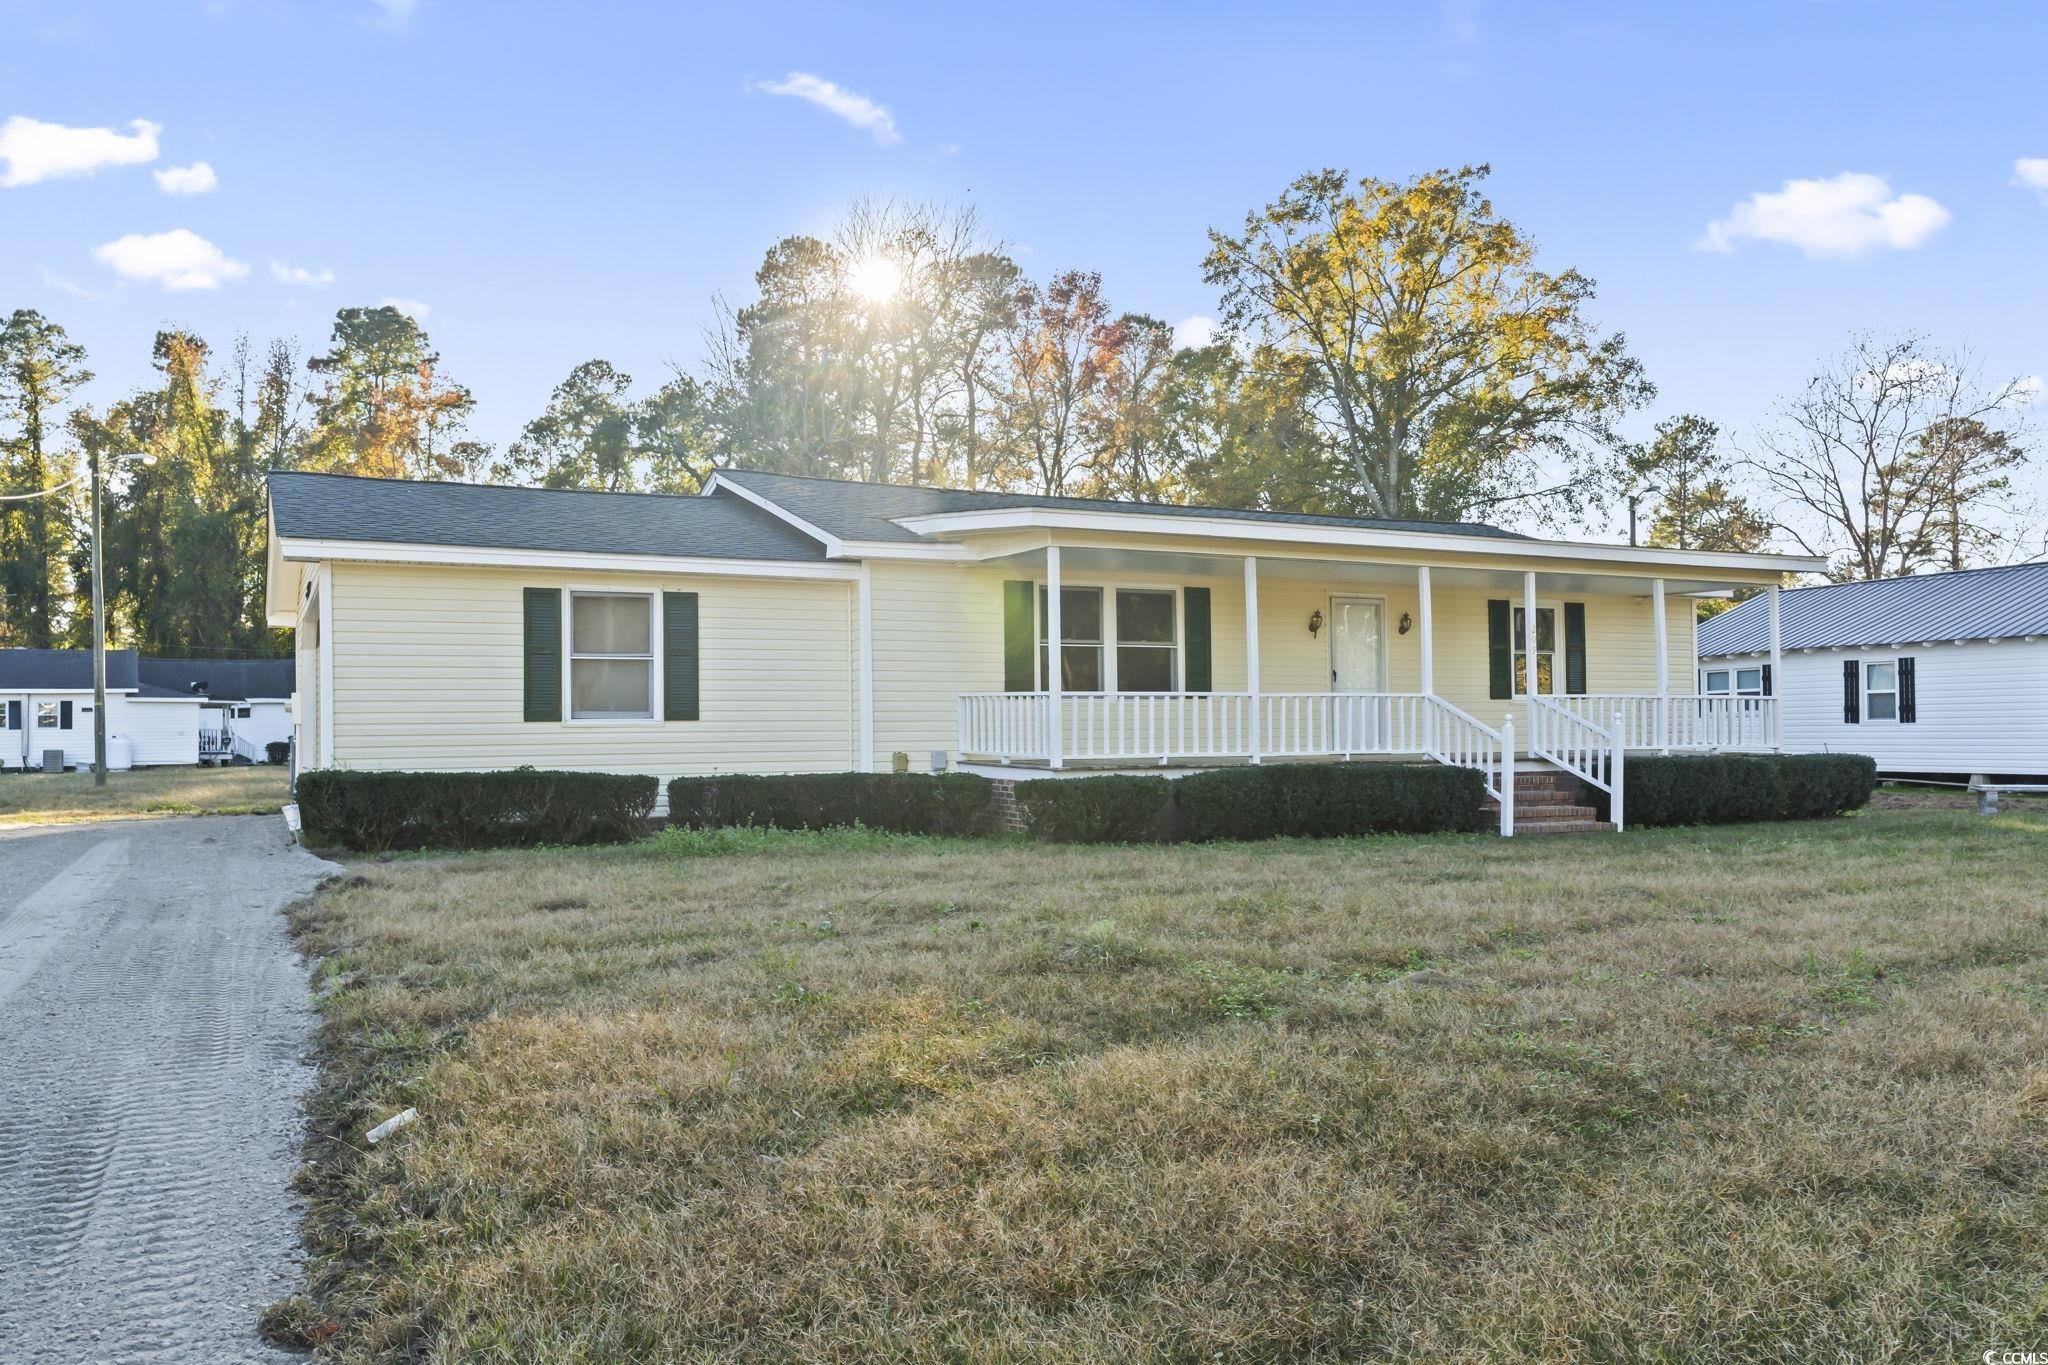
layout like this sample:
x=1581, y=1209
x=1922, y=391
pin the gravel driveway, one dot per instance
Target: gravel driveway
x=153, y=1017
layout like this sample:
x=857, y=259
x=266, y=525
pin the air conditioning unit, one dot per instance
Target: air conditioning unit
x=53, y=760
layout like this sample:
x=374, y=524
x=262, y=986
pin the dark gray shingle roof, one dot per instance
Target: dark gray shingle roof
x=63, y=670
x=867, y=511
x=222, y=679
x=343, y=507
x=1975, y=604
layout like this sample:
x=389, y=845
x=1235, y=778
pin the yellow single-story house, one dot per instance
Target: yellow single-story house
x=778, y=623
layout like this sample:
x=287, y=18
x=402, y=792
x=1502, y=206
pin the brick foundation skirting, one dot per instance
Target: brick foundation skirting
x=1003, y=812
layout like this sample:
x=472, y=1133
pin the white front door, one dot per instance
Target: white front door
x=1358, y=663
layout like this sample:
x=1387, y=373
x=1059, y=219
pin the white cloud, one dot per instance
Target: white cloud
x=395, y=15
x=196, y=178
x=1195, y=331
x=179, y=259
x=298, y=274
x=412, y=308
x=1848, y=215
x=2032, y=172
x=35, y=150
x=836, y=100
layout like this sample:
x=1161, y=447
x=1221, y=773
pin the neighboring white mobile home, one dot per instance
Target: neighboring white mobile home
x=1932, y=675
x=788, y=624
x=46, y=704
x=245, y=704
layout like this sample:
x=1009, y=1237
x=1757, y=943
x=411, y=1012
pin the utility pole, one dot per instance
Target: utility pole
x=99, y=631
x=1633, y=499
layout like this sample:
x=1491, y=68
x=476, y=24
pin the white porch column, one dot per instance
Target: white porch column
x=1531, y=682
x=1777, y=672
x=1053, y=655
x=1251, y=647
x=1663, y=666
x=1428, y=629
x=864, y=598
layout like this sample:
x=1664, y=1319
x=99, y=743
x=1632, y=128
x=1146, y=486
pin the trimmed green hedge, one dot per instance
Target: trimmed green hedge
x=1115, y=808
x=278, y=751
x=902, y=803
x=1713, y=789
x=1331, y=800
x=374, y=811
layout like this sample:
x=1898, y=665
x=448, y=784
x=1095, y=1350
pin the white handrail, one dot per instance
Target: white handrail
x=1592, y=753
x=1696, y=721
x=1463, y=741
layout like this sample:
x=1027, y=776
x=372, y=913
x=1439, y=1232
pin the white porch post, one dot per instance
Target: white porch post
x=1251, y=646
x=1663, y=668
x=1777, y=672
x=1053, y=656
x=864, y=597
x=1428, y=642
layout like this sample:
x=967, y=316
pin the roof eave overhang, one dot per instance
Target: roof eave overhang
x=295, y=550
x=1348, y=537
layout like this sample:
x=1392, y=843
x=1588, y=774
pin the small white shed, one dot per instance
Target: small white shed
x=1931, y=675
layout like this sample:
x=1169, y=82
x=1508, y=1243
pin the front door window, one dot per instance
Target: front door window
x=1546, y=650
x=1357, y=644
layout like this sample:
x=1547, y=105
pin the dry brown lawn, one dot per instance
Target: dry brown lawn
x=1757, y=1093
x=70, y=798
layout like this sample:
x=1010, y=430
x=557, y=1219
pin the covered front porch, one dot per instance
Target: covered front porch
x=1178, y=659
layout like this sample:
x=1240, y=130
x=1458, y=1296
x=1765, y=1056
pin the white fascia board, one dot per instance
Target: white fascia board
x=833, y=549
x=1349, y=537
x=478, y=556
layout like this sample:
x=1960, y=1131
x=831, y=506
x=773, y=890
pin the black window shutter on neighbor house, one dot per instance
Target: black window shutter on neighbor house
x=1500, y=652
x=1575, y=648
x=1852, y=694
x=1018, y=642
x=1194, y=606
x=679, y=656
x=1909, y=704
x=1767, y=682
x=543, y=654
x=64, y=715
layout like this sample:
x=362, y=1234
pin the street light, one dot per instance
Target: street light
x=1633, y=499
x=99, y=617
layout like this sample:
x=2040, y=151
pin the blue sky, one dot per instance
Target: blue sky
x=560, y=182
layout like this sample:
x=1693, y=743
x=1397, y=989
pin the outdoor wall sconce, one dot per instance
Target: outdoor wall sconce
x=1407, y=623
x=1315, y=623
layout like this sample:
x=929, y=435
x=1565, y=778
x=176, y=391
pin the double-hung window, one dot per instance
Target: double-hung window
x=611, y=656
x=1748, y=682
x=1145, y=653
x=1881, y=691
x=1135, y=650
x=1546, y=650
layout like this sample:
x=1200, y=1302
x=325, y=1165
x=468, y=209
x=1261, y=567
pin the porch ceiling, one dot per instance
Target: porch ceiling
x=1081, y=561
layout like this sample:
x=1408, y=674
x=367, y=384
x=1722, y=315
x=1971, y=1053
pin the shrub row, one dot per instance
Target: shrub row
x=902, y=803
x=1281, y=801
x=278, y=750
x=1712, y=789
x=372, y=811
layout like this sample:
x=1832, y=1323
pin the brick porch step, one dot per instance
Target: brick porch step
x=1562, y=826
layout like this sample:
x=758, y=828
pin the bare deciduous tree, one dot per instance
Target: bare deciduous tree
x=1871, y=463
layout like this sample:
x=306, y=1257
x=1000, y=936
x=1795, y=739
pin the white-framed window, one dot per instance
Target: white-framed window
x=1715, y=681
x=1740, y=682
x=1881, y=690
x=1547, y=666
x=611, y=656
x=49, y=716
x=1114, y=639
x=1749, y=682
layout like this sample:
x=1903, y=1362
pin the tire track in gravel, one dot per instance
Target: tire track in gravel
x=148, y=1117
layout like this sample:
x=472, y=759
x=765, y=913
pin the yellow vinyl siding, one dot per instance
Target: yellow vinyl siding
x=429, y=666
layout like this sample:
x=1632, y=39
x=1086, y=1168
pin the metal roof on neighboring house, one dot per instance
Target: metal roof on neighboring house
x=1972, y=604
x=869, y=511
x=220, y=679
x=416, y=512
x=63, y=670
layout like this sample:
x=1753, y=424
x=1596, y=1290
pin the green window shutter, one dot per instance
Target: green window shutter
x=1909, y=702
x=1194, y=608
x=679, y=656
x=543, y=653
x=1500, y=652
x=1852, y=692
x=1018, y=644
x=1575, y=648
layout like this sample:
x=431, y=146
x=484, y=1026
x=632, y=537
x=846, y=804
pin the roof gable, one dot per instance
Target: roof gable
x=870, y=511
x=1973, y=604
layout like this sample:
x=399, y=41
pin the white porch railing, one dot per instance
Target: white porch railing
x=1681, y=720
x=1161, y=727
x=1592, y=753
x=215, y=744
